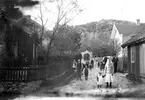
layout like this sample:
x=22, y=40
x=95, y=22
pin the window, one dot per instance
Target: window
x=133, y=53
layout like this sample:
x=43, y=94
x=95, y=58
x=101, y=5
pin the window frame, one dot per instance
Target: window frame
x=133, y=54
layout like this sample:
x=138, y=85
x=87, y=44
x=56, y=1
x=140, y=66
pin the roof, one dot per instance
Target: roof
x=21, y=22
x=29, y=25
x=25, y=24
x=138, y=37
x=127, y=29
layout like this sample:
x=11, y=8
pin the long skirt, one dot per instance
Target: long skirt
x=108, y=78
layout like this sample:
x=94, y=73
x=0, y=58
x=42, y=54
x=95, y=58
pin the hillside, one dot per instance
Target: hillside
x=102, y=28
x=102, y=25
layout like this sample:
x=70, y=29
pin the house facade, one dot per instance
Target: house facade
x=115, y=35
x=122, y=33
x=22, y=39
x=136, y=54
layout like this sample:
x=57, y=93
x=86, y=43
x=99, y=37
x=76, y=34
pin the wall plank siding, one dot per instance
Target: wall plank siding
x=129, y=64
x=137, y=70
x=142, y=59
x=141, y=53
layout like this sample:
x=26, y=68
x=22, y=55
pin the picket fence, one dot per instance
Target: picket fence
x=21, y=73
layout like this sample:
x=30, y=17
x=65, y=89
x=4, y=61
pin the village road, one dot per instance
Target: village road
x=123, y=89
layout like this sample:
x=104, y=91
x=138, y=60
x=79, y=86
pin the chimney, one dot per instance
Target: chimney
x=138, y=21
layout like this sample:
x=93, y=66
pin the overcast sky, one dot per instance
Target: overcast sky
x=95, y=10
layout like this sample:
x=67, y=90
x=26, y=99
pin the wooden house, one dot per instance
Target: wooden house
x=122, y=33
x=23, y=38
x=136, y=53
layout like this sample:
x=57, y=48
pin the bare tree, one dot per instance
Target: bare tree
x=40, y=28
x=66, y=11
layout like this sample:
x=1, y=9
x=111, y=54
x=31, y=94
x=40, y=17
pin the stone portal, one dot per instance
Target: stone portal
x=86, y=56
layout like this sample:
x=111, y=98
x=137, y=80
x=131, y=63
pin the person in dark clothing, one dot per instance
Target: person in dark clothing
x=83, y=66
x=115, y=61
x=102, y=66
x=105, y=60
x=86, y=72
x=79, y=69
x=98, y=64
x=87, y=64
x=92, y=63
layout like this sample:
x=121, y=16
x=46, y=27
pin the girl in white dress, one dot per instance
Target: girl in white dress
x=100, y=80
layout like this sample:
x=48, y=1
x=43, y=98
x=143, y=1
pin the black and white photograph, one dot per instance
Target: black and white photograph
x=72, y=50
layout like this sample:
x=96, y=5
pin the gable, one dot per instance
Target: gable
x=116, y=35
x=114, y=32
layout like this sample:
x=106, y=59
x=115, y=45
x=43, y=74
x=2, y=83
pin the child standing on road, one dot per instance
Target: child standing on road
x=100, y=79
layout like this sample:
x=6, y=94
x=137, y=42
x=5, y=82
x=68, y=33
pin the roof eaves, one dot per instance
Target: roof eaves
x=125, y=44
x=129, y=42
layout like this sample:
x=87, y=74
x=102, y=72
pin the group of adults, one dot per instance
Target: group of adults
x=80, y=67
x=114, y=60
x=109, y=67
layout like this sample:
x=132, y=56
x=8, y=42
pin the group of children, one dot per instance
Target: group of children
x=81, y=68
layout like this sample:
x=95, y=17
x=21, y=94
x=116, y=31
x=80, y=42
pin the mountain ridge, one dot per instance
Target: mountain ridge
x=90, y=27
x=100, y=29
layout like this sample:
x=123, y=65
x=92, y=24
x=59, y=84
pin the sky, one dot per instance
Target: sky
x=95, y=10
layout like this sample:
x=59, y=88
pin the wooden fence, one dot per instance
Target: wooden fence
x=21, y=73
x=35, y=72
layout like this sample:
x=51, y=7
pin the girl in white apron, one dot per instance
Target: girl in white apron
x=100, y=79
x=109, y=70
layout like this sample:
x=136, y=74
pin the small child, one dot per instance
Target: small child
x=74, y=65
x=100, y=80
x=86, y=72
